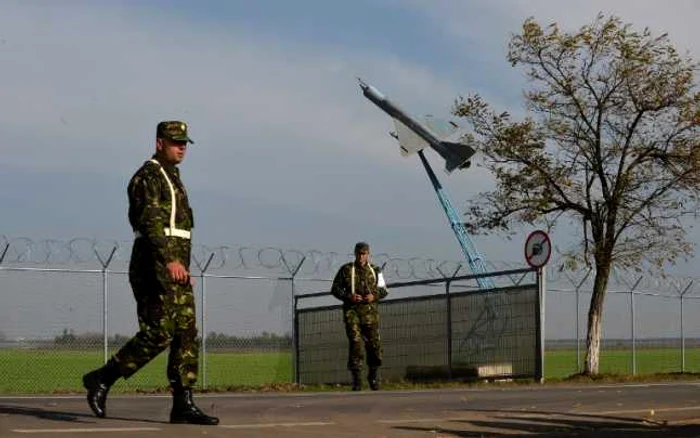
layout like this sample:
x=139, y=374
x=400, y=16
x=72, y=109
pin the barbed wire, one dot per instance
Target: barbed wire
x=109, y=254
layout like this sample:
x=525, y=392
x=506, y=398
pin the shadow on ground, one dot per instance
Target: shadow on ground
x=69, y=417
x=555, y=424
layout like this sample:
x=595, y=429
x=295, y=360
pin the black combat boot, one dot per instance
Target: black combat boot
x=186, y=412
x=373, y=379
x=98, y=383
x=356, y=380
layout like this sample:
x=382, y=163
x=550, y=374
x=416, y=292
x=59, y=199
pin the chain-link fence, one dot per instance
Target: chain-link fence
x=650, y=324
x=67, y=306
x=451, y=330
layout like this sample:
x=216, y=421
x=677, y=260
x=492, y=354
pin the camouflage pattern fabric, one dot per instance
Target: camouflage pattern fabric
x=173, y=130
x=361, y=319
x=166, y=309
x=149, y=214
x=358, y=333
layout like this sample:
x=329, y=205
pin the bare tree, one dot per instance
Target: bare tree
x=609, y=142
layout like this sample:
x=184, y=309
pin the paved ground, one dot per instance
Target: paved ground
x=555, y=411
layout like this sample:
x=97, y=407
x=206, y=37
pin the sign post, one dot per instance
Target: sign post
x=538, y=249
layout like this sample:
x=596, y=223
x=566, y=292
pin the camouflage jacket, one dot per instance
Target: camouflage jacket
x=151, y=214
x=368, y=281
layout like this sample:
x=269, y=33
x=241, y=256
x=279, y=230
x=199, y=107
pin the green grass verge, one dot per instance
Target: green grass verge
x=562, y=363
x=51, y=371
x=57, y=371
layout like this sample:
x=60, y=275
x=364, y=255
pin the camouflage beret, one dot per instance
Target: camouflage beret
x=360, y=246
x=173, y=130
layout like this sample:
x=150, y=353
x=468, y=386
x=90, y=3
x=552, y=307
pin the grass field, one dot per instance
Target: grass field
x=53, y=371
x=48, y=371
x=562, y=363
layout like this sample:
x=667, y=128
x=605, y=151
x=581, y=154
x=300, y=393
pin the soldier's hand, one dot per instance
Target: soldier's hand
x=355, y=298
x=177, y=272
x=370, y=298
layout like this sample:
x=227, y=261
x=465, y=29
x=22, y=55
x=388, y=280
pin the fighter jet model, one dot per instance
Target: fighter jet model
x=414, y=136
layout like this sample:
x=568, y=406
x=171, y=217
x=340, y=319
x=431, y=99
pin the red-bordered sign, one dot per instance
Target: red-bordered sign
x=538, y=248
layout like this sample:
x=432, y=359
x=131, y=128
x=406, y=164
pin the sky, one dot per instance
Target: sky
x=288, y=152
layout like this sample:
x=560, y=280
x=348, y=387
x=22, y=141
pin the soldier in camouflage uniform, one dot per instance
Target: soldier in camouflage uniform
x=360, y=285
x=162, y=220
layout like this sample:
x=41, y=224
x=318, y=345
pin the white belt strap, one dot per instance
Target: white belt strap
x=352, y=276
x=170, y=231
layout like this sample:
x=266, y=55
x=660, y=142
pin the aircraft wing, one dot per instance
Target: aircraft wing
x=409, y=141
x=445, y=130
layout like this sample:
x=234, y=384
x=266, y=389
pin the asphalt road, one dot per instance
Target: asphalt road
x=615, y=410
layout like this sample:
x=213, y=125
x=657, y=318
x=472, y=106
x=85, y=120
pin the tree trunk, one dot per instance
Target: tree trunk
x=595, y=318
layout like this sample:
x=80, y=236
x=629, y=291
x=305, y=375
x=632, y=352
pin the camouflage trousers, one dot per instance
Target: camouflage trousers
x=361, y=330
x=166, y=316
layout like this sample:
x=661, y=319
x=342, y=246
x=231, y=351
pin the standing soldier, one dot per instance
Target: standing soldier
x=162, y=220
x=360, y=285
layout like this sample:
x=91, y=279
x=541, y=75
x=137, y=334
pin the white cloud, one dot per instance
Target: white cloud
x=88, y=75
x=489, y=24
x=86, y=86
x=276, y=122
x=679, y=20
x=479, y=32
x=484, y=27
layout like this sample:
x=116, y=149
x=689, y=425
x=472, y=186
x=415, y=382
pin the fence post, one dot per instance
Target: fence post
x=682, y=340
x=448, y=311
x=4, y=252
x=203, y=348
x=632, y=324
x=577, y=290
x=295, y=341
x=105, y=264
x=682, y=295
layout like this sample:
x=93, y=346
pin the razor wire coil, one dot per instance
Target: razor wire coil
x=106, y=253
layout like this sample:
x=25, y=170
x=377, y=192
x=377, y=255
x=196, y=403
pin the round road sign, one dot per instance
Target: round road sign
x=538, y=248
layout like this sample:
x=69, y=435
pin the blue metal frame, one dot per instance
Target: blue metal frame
x=474, y=258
